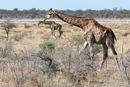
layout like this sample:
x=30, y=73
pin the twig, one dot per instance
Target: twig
x=45, y=59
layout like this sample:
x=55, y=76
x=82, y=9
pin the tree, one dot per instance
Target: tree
x=32, y=10
x=25, y=11
x=7, y=26
x=15, y=10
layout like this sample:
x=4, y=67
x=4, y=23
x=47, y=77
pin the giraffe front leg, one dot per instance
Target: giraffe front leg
x=91, y=52
x=53, y=32
x=83, y=47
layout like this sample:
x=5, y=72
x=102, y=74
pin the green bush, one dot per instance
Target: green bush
x=77, y=40
x=13, y=58
x=25, y=11
x=32, y=10
x=96, y=49
x=41, y=15
x=49, y=45
x=15, y=10
x=74, y=14
x=50, y=70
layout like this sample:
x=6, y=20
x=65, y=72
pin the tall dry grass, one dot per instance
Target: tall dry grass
x=26, y=63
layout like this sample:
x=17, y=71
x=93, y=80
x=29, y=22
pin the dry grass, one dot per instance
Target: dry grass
x=72, y=69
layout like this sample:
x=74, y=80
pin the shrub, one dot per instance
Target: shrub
x=13, y=58
x=77, y=40
x=15, y=10
x=50, y=70
x=49, y=45
x=32, y=10
x=40, y=15
x=26, y=26
x=97, y=49
x=25, y=11
x=6, y=49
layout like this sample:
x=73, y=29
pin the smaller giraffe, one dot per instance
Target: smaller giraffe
x=54, y=26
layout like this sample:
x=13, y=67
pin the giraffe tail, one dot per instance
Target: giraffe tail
x=111, y=33
x=110, y=37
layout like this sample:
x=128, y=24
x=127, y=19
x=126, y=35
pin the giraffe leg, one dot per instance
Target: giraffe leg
x=60, y=31
x=83, y=47
x=53, y=32
x=115, y=54
x=105, y=53
x=91, y=52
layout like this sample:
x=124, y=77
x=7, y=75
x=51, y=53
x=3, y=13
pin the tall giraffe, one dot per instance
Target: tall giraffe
x=93, y=32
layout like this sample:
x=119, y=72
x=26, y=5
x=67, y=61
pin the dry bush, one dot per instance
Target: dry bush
x=24, y=33
x=18, y=37
x=26, y=66
x=57, y=67
x=6, y=49
x=20, y=67
x=26, y=25
x=125, y=66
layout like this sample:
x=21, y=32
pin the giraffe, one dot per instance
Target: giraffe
x=94, y=33
x=54, y=26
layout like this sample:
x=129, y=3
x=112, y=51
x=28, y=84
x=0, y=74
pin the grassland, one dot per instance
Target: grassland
x=24, y=63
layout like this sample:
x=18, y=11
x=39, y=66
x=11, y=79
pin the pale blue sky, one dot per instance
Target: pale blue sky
x=66, y=4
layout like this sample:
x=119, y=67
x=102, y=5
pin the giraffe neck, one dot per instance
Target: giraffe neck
x=76, y=21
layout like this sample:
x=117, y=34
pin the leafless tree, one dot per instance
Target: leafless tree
x=7, y=25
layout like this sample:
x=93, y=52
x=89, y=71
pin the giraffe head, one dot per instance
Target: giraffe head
x=50, y=14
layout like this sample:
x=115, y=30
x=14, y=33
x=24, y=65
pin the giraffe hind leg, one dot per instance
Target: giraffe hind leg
x=115, y=55
x=60, y=32
x=110, y=43
x=105, y=54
